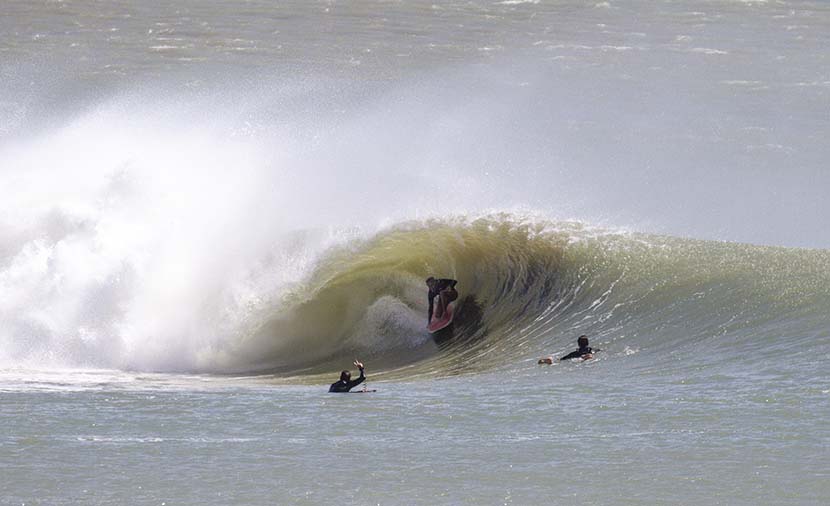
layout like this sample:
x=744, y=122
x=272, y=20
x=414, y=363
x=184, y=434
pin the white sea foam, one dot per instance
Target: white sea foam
x=517, y=2
x=707, y=50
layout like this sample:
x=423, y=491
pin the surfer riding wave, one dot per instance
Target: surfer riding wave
x=523, y=288
x=445, y=290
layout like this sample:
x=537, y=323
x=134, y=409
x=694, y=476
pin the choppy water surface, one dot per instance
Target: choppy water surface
x=210, y=208
x=612, y=432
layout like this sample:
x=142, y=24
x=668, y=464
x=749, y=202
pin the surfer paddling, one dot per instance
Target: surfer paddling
x=346, y=382
x=445, y=290
x=584, y=352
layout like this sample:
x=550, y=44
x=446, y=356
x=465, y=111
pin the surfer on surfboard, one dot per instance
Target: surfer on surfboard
x=445, y=290
x=584, y=352
x=346, y=382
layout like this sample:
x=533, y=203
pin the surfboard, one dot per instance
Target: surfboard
x=362, y=391
x=437, y=324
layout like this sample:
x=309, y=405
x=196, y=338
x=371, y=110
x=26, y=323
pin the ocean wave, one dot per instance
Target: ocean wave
x=528, y=286
x=531, y=286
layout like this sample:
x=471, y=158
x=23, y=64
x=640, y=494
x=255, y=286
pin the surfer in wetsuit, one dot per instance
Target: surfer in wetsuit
x=584, y=352
x=445, y=290
x=346, y=383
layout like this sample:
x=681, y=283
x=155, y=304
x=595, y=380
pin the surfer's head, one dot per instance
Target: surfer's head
x=345, y=376
x=430, y=281
x=582, y=341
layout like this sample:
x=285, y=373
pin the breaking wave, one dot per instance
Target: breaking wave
x=527, y=286
x=275, y=236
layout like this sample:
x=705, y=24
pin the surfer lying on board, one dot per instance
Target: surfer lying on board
x=444, y=289
x=346, y=383
x=584, y=352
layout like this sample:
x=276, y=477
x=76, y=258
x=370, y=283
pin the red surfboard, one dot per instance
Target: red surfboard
x=439, y=323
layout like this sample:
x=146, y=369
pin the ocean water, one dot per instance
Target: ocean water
x=210, y=208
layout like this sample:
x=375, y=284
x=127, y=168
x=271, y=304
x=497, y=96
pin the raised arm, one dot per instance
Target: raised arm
x=359, y=380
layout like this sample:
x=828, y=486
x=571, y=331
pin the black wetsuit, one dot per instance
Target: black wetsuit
x=435, y=290
x=345, y=386
x=579, y=353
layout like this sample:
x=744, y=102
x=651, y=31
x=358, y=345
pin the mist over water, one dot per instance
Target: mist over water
x=702, y=121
